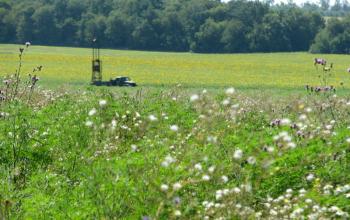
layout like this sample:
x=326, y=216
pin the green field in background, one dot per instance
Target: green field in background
x=72, y=66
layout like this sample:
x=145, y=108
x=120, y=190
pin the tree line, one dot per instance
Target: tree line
x=208, y=26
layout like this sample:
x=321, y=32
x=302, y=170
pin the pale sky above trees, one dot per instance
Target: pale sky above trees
x=298, y=2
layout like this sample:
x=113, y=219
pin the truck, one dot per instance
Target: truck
x=122, y=81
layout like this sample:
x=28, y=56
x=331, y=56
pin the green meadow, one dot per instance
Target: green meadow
x=201, y=137
x=72, y=67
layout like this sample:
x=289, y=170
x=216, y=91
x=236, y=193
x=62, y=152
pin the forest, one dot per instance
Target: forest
x=203, y=26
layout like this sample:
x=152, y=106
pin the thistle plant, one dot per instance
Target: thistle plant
x=15, y=100
x=13, y=88
x=324, y=77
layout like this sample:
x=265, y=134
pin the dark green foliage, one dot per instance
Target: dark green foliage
x=172, y=25
x=334, y=38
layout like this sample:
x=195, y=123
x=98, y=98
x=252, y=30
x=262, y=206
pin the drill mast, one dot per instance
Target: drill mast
x=96, y=78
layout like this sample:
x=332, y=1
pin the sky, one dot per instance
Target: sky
x=298, y=2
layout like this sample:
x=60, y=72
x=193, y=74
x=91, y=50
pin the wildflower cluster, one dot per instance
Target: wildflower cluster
x=178, y=155
x=324, y=78
x=13, y=88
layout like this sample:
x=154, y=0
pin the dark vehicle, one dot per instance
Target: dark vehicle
x=122, y=81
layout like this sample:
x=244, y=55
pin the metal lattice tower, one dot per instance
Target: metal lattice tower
x=96, y=63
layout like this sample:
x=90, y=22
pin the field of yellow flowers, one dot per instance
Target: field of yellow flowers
x=72, y=66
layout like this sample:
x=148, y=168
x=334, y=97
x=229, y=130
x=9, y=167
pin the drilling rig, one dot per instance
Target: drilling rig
x=96, y=77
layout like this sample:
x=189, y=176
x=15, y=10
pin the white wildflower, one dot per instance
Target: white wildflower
x=152, y=118
x=224, y=179
x=273, y=212
x=302, y=117
x=177, y=213
x=340, y=213
x=291, y=145
x=226, y=102
x=218, y=194
x=198, y=166
x=114, y=123
x=289, y=191
x=251, y=160
x=89, y=123
x=302, y=191
x=308, y=201
x=236, y=190
x=102, y=103
x=310, y=177
x=174, y=128
x=92, y=112
x=285, y=121
x=238, y=154
x=211, y=169
x=230, y=91
x=287, y=138
x=205, y=177
x=168, y=160
x=133, y=147
x=177, y=186
x=194, y=97
x=270, y=149
x=164, y=187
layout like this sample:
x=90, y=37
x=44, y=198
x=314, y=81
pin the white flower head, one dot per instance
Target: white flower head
x=113, y=123
x=236, y=190
x=285, y=121
x=92, y=112
x=134, y=147
x=152, y=118
x=308, y=201
x=198, y=166
x=251, y=160
x=310, y=177
x=328, y=127
x=302, y=117
x=226, y=102
x=211, y=169
x=174, y=128
x=270, y=149
x=89, y=123
x=177, y=213
x=348, y=140
x=230, y=91
x=205, y=177
x=194, y=97
x=177, y=186
x=238, y=154
x=168, y=160
x=224, y=179
x=102, y=103
x=302, y=191
x=164, y=187
x=291, y=145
